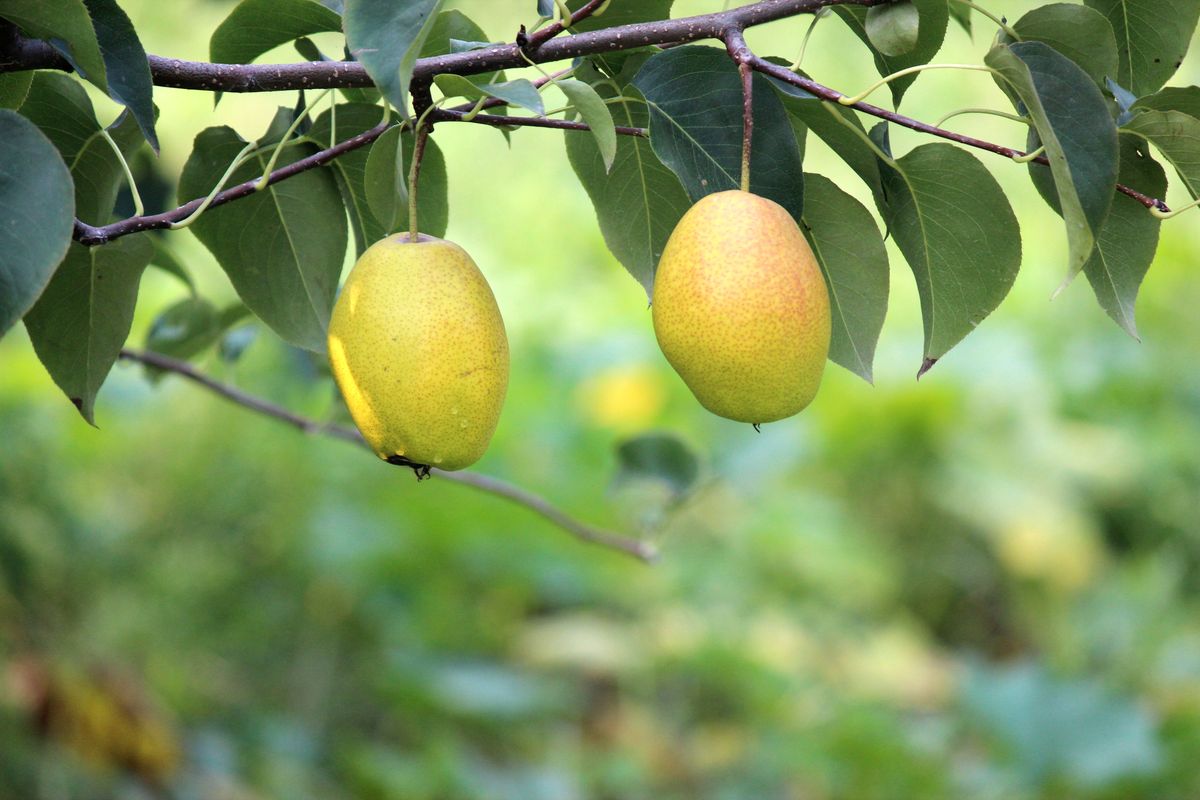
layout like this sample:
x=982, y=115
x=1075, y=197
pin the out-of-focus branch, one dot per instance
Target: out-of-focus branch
x=644, y=551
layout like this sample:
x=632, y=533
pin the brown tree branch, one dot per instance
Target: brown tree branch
x=172, y=72
x=833, y=95
x=644, y=551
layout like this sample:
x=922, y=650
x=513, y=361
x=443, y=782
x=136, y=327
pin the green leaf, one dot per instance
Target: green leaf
x=386, y=36
x=1152, y=38
x=837, y=126
x=81, y=321
x=1177, y=137
x=67, y=26
x=658, y=457
x=545, y=8
x=893, y=28
x=638, y=201
x=14, y=86
x=596, y=114
x=350, y=168
x=1075, y=125
x=61, y=108
x=448, y=26
x=935, y=17
x=129, y=81
x=695, y=97
x=165, y=260
x=185, y=329
x=954, y=225
x=256, y=26
x=381, y=177
x=36, y=214
x=852, y=256
x=622, y=12
x=518, y=93
x=282, y=247
x=1129, y=238
x=962, y=15
x=1078, y=32
x=1173, y=98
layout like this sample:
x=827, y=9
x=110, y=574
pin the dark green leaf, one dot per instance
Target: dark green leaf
x=67, y=26
x=518, y=93
x=13, y=88
x=893, y=28
x=837, y=126
x=959, y=235
x=1078, y=32
x=850, y=250
x=282, y=247
x=81, y=321
x=545, y=8
x=381, y=175
x=695, y=96
x=1128, y=239
x=935, y=16
x=36, y=214
x=962, y=15
x=1076, y=127
x=1177, y=136
x=61, y=108
x=350, y=168
x=386, y=36
x=622, y=12
x=638, y=202
x=256, y=26
x=1152, y=38
x=658, y=457
x=165, y=260
x=449, y=25
x=185, y=329
x=595, y=113
x=129, y=81
x=1173, y=98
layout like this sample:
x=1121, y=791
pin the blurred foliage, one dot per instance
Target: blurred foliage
x=983, y=585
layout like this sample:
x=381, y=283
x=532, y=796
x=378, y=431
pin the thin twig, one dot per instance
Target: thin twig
x=449, y=115
x=735, y=43
x=644, y=551
x=547, y=33
x=834, y=96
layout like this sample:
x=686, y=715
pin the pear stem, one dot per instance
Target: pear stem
x=414, y=172
x=739, y=51
x=747, y=121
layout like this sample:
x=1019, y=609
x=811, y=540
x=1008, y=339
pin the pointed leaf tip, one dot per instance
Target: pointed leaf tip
x=926, y=365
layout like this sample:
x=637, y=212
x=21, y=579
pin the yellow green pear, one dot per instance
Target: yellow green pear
x=419, y=351
x=740, y=308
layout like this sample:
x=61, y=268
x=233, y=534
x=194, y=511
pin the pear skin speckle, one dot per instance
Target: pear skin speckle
x=416, y=340
x=741, y=309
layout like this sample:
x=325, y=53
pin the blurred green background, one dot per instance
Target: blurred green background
x=981, y=585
